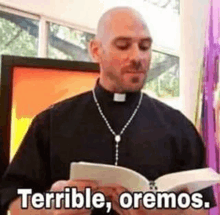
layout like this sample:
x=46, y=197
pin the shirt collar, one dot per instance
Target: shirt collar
x=103, y=93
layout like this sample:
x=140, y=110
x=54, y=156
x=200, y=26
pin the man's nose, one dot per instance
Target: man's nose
x=136, y=64
x=135, y=57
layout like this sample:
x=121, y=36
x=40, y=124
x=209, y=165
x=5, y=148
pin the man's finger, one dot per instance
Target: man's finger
x=112, y=193
x=80, y=184
x=72, y=212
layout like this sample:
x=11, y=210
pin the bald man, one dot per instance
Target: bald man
x=113, y=124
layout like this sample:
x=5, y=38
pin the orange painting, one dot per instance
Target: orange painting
x=35, y=89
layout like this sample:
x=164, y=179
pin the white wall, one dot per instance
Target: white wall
x=193, y=16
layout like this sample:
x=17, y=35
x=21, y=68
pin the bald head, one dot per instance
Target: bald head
x=110, y=19
x=123, y=50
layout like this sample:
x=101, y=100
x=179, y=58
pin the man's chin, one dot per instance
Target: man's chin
x=135, y=84
x=133, y=87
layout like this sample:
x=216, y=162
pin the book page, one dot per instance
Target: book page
x=193, y=180
x=109, y=174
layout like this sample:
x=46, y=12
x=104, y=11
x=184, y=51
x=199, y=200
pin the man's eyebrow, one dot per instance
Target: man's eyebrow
x=147, y=39
x=130, y=38
x=122, y=38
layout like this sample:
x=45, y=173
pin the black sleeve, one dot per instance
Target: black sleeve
x=30, y=165
x=192, y=153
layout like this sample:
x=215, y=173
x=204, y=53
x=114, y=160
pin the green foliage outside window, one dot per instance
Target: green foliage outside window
x=14, y=40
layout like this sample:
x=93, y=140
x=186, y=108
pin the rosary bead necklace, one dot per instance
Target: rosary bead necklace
x=117, y=136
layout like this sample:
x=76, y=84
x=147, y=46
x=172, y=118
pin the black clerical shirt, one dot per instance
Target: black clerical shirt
x=159, y=140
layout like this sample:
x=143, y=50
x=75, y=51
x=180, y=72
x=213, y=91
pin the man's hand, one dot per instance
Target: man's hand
x=112, y=193
x=15, y=207
x=80, y=185
x=189, y=211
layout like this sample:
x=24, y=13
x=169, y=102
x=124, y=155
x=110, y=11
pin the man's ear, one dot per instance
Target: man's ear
x=95, y=50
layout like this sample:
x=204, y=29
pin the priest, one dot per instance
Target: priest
x=115, y=123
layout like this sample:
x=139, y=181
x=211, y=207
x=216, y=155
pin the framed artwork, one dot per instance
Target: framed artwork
x=30, y=85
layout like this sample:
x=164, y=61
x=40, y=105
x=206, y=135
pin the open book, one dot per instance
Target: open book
x=191, y=180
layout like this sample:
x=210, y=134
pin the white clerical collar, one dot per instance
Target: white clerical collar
x=119, y=97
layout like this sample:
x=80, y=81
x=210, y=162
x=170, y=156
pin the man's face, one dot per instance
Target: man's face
x=126, y=55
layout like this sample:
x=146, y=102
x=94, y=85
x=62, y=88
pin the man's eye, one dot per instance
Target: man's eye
x=144, y=46
x=123, y=45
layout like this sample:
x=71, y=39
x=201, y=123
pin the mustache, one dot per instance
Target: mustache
x=134, y=66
